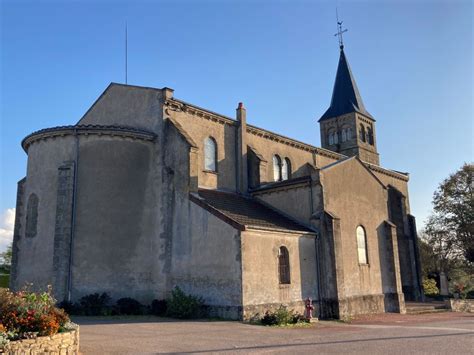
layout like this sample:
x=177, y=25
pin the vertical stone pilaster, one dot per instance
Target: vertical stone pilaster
x=63, y=229
x=242, y=174
x=398, y=303
x=17, y=234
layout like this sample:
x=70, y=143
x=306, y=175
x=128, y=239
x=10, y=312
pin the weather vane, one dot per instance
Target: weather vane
x=340, y=31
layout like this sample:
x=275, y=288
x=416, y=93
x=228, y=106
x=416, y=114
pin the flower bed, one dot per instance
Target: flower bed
x=61, y=343
x=30, y=322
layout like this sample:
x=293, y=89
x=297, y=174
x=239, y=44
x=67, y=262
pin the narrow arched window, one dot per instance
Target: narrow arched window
x=331, y=137
x=370, y=136
x=286, y=169
x=31, y=216
x=361, y=245
x=284, y=266
x=336, y=137
x=348, y=133
x=276, y=168
x=362, y=133
x=343, y=135
x=210, y=154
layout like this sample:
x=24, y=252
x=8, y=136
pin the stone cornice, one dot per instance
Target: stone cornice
x=181, y=106
x=61, y=131
x=292, y=142
x=390, y=173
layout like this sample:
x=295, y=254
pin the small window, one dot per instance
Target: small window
x=286, y=169
x=361, y=245
x=331, y=138
x=362, y=133
x=210, y=154
x=346, y=134
x=336, y=137
x=370, y=136
x=276, y=168
x=284, y=266
x=32, y=216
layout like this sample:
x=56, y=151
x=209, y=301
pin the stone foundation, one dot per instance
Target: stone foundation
x=252, y=311
x=224, y=312
x=460, y=305
x=58, y=344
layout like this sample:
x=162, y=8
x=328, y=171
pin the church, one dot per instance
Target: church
x=147, y=192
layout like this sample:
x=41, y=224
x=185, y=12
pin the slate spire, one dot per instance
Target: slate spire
x=345, y=96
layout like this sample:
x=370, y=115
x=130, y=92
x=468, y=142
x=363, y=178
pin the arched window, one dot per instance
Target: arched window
x=284, y=266
x=362, y=132
x=361, y=245
x=348, y=133
x=330, y=138
x=276, y=168
x=286, y=169
x=370, y=136
x=336, y=137
x=32, y=216
x=210, y=154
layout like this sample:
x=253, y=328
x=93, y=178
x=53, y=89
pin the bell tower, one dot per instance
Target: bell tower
x=346, y=127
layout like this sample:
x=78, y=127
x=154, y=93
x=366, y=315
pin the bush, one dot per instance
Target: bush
x=430, y=288
x=26, y=314
x=159, y=307
x=4, y=280
x=282, y=316
x=94, y=305
x=128, y=306
x=183, y=306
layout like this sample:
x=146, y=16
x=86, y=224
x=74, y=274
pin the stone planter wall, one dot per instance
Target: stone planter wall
x=457, y=305
x=62, y=343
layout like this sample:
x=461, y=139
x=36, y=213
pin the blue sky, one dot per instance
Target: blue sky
x=412, y=61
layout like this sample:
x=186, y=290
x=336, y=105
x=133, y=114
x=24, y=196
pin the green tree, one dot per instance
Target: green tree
x=6, y=260
x=450, y=228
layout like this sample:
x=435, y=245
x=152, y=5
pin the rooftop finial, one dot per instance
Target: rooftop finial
x=340, y=31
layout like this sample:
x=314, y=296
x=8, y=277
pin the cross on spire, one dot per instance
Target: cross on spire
x=340, y=31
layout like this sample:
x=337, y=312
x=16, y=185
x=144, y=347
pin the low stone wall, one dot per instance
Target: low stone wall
x=251, y=311
x=460, y=305
x=58, y=344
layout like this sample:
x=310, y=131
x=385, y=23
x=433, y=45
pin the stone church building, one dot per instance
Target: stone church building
x=148, y=192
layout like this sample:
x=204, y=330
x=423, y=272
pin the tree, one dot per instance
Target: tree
x=6, y=260
x=450, y=228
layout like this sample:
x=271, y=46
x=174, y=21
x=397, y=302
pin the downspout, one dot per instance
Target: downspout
x=73, y=217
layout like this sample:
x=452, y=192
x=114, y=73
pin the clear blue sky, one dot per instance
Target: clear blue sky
x=412, y=61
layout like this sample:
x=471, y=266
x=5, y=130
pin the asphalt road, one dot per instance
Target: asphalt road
x=389, y=334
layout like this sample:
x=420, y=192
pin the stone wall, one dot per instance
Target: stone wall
x=61, y=343
x=460, y=305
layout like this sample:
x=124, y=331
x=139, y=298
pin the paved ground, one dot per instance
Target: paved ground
x=440, y=333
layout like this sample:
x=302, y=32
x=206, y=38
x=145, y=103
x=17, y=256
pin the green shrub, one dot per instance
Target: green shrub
x=282, y=316
x=128, y=306
x=159, y=307
x=94, y=305
x=430, y=288
x=4, y=280
x=183, y=306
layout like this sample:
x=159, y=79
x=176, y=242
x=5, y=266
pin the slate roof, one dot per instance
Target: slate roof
x=247, y=211
x=345, y=96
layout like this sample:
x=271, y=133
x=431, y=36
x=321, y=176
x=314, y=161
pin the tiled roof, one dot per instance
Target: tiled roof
x=249, y=212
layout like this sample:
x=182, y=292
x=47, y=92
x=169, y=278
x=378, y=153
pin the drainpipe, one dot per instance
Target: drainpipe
x=73, y=217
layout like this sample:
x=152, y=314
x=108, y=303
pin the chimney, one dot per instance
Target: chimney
x=241, y=151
